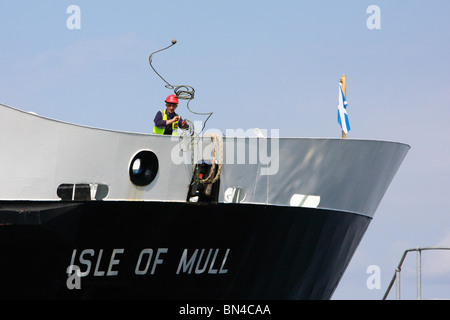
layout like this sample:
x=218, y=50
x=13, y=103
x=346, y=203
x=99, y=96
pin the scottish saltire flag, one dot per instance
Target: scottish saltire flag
x=342, y=111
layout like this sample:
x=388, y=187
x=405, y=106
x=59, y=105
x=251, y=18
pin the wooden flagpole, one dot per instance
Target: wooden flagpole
x=343, y=80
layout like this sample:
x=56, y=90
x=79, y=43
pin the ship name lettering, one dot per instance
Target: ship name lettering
x=144, y=259
x=89, y=256
x=204, y=261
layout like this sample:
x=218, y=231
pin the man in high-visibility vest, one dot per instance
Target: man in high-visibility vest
x=167, y=121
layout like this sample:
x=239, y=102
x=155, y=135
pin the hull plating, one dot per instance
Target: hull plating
x=161, y=250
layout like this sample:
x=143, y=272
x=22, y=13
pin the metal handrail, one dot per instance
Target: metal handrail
x=396, y=276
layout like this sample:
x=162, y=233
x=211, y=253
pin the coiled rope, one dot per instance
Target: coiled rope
x=211, y=178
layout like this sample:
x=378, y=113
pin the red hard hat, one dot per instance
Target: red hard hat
x=172, y=99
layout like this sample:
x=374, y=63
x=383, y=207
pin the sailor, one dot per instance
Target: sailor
x=167, y=121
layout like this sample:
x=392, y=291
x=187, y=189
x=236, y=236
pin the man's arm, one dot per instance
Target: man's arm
x=159, y=122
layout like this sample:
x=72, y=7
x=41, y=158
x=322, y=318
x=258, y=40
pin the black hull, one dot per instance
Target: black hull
x=249, y=251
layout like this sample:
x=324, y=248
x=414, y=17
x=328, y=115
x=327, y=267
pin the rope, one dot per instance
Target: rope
x=210, y=179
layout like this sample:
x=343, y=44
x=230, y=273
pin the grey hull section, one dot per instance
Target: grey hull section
x=347, y=175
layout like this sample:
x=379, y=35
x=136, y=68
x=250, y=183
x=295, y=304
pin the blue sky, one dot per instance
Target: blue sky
x=267, y=64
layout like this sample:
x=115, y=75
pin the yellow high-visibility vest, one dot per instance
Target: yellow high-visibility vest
x=160, y=130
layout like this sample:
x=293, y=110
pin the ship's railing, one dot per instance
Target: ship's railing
x=396, y=277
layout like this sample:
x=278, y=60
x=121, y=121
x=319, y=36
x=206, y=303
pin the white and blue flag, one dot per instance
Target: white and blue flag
x=342, y=111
